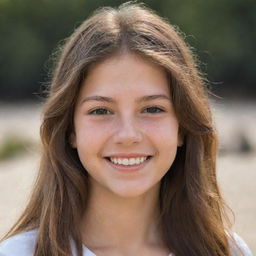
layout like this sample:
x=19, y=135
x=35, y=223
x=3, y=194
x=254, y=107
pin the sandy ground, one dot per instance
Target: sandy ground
x=236, y=172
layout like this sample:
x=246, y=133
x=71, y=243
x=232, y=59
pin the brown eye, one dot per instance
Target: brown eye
x=100, y=111
x=153, y=110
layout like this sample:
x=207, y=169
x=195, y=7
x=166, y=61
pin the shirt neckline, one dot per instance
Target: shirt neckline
x=88, y=252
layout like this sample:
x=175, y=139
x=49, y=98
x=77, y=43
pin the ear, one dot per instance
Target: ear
x=180, y=142
x=72, y=140
x=180, y=138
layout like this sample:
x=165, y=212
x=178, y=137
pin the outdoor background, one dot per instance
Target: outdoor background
x=222, y=33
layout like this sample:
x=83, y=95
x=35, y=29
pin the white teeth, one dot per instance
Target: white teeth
x=128, y=161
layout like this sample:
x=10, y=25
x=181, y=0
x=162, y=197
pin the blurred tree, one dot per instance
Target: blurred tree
x=221, y=31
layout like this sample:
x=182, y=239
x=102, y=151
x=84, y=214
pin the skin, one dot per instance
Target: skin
x=123, y=206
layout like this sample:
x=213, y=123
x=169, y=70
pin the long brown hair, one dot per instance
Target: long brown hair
x=193, y=216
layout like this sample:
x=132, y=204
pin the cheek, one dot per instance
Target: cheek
x=163, y=131
x=90, y=131
x=92, y=134
x=90, y=137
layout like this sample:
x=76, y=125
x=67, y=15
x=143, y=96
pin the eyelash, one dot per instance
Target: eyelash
x=159, y=110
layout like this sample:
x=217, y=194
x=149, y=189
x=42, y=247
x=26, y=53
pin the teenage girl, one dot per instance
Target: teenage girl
x=129, y=149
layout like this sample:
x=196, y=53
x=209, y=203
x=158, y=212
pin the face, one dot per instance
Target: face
x=126, y=131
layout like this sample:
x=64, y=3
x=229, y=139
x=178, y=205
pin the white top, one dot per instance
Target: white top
x=24, y=245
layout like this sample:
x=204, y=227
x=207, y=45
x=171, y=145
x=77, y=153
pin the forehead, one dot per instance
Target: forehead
x=127, y=73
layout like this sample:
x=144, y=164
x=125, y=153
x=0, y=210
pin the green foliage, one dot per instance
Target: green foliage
x=221, y=31
x=12, y=146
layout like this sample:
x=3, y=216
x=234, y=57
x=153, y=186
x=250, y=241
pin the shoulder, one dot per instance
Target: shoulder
x=239, y=244
x=22, y=244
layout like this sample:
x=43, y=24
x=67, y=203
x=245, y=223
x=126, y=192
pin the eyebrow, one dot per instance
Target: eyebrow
x=111, y=100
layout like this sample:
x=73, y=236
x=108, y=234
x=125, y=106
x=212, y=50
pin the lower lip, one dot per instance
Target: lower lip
x=128, y=168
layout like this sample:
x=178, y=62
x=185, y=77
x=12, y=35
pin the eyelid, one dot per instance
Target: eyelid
x=155, y=106
x=98, y=108
x=162, y=109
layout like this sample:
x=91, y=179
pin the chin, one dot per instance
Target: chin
x=132, y=191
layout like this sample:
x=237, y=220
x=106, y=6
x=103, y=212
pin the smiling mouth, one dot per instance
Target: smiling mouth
x=129, y=161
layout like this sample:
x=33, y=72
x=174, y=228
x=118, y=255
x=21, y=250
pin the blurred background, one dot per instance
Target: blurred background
x=222, y=33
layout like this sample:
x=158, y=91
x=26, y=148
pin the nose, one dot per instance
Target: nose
x=127, y=132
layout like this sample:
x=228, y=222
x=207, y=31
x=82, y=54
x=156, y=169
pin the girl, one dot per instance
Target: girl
x=129, y=149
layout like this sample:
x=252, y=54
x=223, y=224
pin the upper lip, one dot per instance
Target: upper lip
x=128, y=155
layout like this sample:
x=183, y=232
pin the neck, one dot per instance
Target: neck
x=111, y=221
